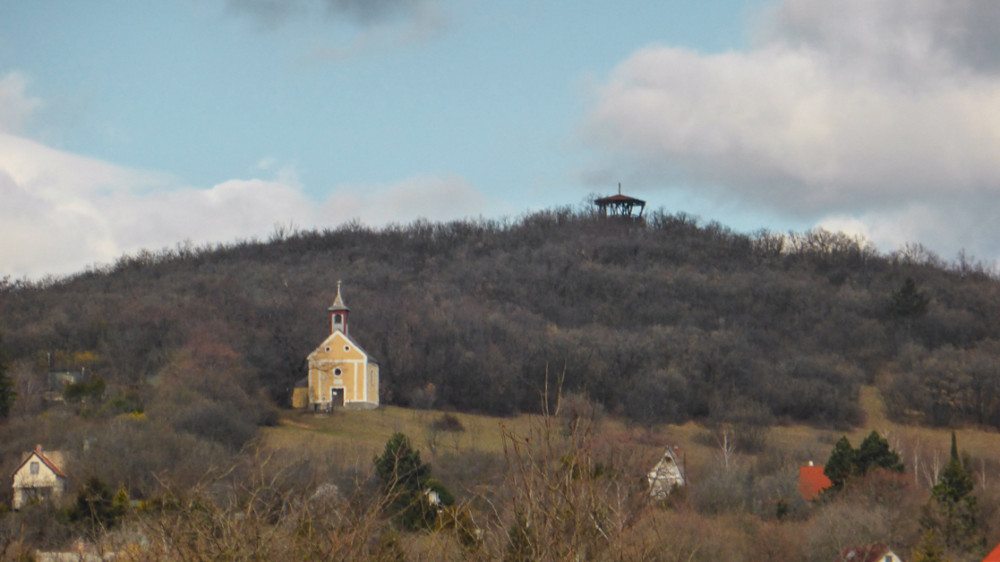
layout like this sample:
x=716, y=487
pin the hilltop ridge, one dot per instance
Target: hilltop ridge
x=664, y=319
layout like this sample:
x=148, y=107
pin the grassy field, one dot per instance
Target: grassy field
x=361, y=434
x=355, y=437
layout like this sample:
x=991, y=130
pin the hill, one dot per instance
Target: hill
x=663, y=320
x=758, y=349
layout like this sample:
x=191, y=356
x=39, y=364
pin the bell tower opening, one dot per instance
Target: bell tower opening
x=338, y=313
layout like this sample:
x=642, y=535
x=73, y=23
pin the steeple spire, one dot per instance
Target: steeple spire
x=338, y=313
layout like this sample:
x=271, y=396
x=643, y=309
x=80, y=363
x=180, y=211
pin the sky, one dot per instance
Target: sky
x=149, y=125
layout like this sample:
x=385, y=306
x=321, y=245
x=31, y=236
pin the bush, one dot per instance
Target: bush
x=85, y=390
x=448, y=422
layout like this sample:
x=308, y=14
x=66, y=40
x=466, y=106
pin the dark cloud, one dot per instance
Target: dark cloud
x=360, y=12
x=900, y=34
x=884, y=114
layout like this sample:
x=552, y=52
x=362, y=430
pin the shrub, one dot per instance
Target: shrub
x=448, y=422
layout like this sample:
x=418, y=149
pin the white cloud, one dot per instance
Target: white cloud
x=63, y=212
x=885, y=112
x=15, y=105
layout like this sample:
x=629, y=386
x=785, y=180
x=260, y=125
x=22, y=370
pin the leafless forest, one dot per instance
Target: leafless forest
x=661, y=321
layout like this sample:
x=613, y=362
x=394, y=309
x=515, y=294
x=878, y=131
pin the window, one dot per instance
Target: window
x=327, y=349
x=337, y=372
x=34, y=467
x=337, y=319
x=347, y=348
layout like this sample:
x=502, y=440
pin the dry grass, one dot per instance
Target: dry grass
x=357, y=436
x=561, y=495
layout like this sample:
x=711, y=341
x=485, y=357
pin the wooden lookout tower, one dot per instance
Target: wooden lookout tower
x=620, y=205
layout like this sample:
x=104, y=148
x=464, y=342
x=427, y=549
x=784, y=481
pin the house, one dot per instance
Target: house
x=58, y=381
x=39, y=477
x=994, y=555
x=870, y=553
x=341, y=373
x=812, y=481
x=666, y=475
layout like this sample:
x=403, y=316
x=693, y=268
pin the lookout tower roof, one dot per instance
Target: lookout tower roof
x=620, y=205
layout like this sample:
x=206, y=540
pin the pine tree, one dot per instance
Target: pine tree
x=840, y=465
x=955, y=482
x=908, y=301
x=846, y=462
x=407, y=482
x=96, y=507
x=874, y=452
x=7, y=394
x=400, y=468
x=952, y=510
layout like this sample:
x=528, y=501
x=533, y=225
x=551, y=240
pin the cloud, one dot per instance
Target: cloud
x=894, y=38
x=15, y=105
x=51, y=212
x=363, y=26
x=359, y=12
x=62, y=212
x=885, y=112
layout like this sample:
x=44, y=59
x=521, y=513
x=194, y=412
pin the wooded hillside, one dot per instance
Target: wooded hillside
x=664, y=320
x=178, y=357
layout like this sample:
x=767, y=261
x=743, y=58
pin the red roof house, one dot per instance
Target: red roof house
x=812, y=481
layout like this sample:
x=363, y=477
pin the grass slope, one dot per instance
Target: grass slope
x=356, y=437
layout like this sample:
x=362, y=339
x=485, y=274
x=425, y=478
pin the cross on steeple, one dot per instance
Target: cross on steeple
x=338, y=313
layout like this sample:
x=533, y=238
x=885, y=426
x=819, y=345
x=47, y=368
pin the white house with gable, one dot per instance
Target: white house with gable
x=39, y=477
x=666, y=475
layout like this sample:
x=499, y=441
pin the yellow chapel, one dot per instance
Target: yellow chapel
x=341, y=373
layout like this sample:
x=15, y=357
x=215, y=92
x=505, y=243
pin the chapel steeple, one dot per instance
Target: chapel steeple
x=338, y=313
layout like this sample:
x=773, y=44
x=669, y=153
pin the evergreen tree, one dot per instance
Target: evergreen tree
x=97, y=507
x=846, y=462
x=840, y=465
x=7, y=394
x=952, y=510
x=400, y=468
x=908, y=301
x=874, y=452
x=415, y=498
x=955, y=482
